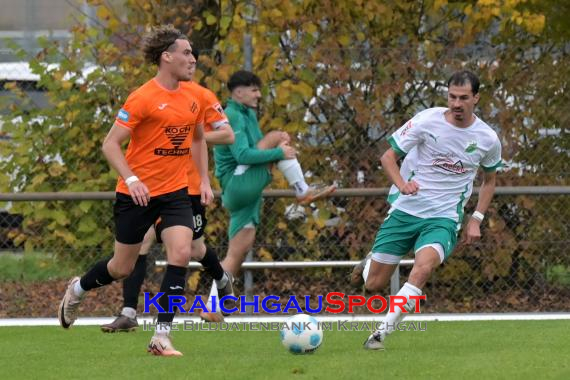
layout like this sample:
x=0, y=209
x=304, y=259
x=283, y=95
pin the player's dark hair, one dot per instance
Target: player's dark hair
x=195, y=53
x=460, y=78
x=243, y=78
x=159, y=40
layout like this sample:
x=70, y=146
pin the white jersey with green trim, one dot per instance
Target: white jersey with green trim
x=443, y=159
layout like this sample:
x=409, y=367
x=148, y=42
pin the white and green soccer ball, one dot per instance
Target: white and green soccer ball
x=301, y=334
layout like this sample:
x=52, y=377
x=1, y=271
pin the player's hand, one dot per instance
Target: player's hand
x=288, y=151
x=410, y=188
x=285, y=137
x=472, y=232
x=139, y=192
x=206, y=193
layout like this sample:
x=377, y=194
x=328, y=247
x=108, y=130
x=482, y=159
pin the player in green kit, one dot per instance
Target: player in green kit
x=443, y=149
x=244, y=170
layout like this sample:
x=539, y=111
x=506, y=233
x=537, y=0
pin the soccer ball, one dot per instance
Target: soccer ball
x=301, y=334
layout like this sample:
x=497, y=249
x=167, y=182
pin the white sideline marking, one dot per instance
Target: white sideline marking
x=7, y=322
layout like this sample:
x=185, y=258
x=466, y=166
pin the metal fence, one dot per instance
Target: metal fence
x=521, y=263
x=339, y=120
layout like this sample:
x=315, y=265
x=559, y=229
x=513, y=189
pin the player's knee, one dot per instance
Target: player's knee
x=374, y=284
x=121, y=272
x=198, y=249
x=179, y=255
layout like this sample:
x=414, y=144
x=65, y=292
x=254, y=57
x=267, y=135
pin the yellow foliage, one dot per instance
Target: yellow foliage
x=103, y=13
x=264, y=255
x=344, y=40
x=311, y=234
x=439, y=4
x=310, y=27
x=211, y=19
x=304, y=89
x=275, y=13
x=193, y=281
x=282, y=93
x=487, y=3
x=535, y=23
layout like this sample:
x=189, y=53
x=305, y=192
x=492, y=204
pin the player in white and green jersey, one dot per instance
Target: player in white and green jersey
x=443, y=149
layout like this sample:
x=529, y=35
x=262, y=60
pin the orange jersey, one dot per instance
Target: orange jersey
x=214, y=117
x=162, y=124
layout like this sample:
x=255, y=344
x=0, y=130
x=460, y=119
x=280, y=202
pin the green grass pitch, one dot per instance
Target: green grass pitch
x=446, y=350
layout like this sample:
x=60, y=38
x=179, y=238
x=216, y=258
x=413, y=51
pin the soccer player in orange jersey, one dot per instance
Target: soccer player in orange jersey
x=217, y=131
x=163, y=119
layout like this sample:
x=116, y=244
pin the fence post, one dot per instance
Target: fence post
x=248, y=283
x=395, y=281
x=248, y=65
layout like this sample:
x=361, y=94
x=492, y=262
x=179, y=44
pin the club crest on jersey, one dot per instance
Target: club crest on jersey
x=471, y=147
x=123, y=115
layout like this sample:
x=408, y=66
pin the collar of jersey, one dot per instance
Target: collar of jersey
x=241, y=107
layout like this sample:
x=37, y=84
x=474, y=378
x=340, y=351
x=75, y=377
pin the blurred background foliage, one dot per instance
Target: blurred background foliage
x=339, y=76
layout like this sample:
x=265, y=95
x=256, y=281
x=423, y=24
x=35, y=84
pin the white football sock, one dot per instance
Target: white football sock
x=163, y=328
x=395, y=317
x=129, y=312
x=293, y=172
x=301, y=188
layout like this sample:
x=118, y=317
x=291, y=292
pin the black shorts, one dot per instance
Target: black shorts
x=132, y=221
x=198, y=216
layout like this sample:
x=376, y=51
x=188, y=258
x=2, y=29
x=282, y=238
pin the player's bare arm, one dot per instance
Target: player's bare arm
x=472, y=232
x=200, y=157
x=223, y=135
x=114, y=155
x=389, y=162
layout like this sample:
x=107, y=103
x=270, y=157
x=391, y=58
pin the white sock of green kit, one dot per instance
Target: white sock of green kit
x=293, y=172
x=397, y=316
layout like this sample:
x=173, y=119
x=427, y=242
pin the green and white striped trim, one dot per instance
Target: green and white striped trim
x=395, y=146
x=493, y=168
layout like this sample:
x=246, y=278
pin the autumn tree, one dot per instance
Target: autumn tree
x=339, y=76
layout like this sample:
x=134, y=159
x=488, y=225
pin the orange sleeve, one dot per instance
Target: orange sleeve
x=133, y=111
x=214, y=115
x=200, y=117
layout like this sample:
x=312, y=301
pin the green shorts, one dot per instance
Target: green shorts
x=401, y=232
x=241, y=196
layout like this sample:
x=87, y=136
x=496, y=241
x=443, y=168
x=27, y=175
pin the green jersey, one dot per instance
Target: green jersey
x=244, y=150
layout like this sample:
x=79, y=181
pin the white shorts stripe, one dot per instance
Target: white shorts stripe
x=386, y=258
x=438, y=247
